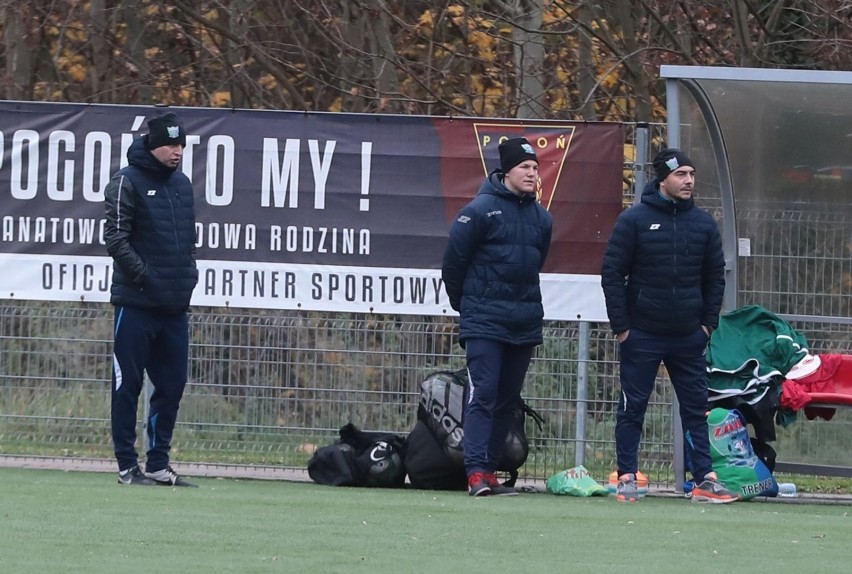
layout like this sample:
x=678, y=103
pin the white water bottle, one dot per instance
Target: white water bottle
x=787, y=490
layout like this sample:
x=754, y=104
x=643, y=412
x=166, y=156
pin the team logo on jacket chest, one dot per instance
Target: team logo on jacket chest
x=654, y=226
x=152, y=192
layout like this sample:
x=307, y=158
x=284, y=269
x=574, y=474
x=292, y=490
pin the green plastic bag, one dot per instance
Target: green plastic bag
x=575, y=482
x=734, y=460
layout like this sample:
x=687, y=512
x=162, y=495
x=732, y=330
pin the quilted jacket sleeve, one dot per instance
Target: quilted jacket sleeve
x=119, y=211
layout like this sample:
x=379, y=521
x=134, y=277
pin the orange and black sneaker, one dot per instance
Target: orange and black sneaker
x=477, y=484
x=627, y=491
x=714, y=492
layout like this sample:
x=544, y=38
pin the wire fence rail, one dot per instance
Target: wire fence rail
x=266, y=388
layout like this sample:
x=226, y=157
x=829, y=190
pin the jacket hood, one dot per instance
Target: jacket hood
x=652, y=196
x=493, y=185
x=140, y=156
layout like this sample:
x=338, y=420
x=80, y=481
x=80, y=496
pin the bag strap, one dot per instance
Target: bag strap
x=513, y=478
x=533, y=414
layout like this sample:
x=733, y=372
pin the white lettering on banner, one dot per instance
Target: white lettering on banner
x=225, y=195
x=366, y=168
x=275, y=177
x=230, y=236
x=75, y=277
x=65, y=191
x=24, y=177
x=345, y=240
x=61, y=144
x=279, y=185
x=280, y=174
x=288, y=286
x=362, y=288
x=247, y=283
x=320, y=166
x=96, y=165
x=375, y=289
x=97, y=157
x=226, y=235
x=83, y=231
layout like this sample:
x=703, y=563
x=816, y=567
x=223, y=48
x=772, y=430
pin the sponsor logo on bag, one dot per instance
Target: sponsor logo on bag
x=758, y=488
x=381, y=451
x=440, y=413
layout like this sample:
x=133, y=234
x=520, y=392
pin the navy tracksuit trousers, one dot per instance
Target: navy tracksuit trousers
x=496, y=371
x=685, y=361
x=159, y=344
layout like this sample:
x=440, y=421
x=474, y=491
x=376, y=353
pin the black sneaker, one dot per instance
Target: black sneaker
x=168, y=477
x=498, y=488
x=477, y=484
x=134, y=475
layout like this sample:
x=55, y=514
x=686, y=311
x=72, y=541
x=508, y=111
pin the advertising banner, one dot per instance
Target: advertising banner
x=313, y=211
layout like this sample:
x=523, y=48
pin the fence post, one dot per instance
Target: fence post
x=582, y=392
x=643, y=144
x=148, y=390
x=673, y=129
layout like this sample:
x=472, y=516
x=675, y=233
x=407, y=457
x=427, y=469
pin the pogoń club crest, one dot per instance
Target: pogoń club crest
x=551, y=145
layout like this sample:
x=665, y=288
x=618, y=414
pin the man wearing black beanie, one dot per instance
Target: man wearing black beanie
x=498, y=244
x=150, y=235
x=166, y=130
x=663, y=278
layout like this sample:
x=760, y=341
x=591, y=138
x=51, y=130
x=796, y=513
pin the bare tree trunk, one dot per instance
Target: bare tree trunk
x=18, y=55
x=234, y=56
x=99, y=57
x=632, y=61
x=586, y=74
x=529, y=54
x=384, y=66
x=740, y=15
x=137, y=66
x=353, y=33
x=292, y=96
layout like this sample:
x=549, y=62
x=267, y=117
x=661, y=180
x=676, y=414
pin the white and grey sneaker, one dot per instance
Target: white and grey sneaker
x=168, y=477
x=627, y=491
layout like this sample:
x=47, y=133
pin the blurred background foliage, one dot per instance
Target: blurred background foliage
x=564, y=59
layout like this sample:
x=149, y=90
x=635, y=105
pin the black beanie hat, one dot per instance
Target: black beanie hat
x=514, y=151
x=669, y=160
x=166, y=130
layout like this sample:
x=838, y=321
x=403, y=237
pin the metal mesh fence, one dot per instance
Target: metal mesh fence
x=265, y=387
x=799, y=261
x=799, y=265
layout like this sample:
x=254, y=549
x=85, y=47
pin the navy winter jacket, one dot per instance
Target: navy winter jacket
x=498, y=245
x=150, y=234
x=663, y=269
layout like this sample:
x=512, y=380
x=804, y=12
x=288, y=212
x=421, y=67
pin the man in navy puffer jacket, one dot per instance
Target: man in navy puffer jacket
x=498, y=245
x=663, y=278
x=150, y=234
